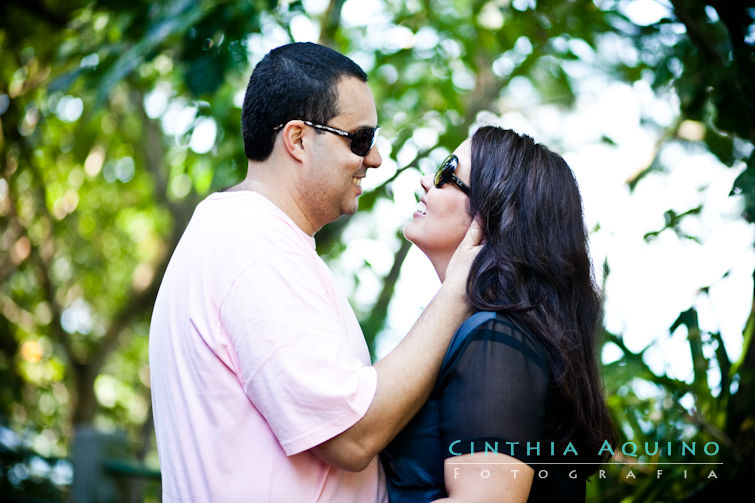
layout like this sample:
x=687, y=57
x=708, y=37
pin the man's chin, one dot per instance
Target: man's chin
x=351, y=208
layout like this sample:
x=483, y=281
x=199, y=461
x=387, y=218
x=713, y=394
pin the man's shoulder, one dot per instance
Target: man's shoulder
x=229, y=232
x=240, y=205
x=245, y=216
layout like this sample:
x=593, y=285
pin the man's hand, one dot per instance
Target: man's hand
x=405, y=377
x=461, y=261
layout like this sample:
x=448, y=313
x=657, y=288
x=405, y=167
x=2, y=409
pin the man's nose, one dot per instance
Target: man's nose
x=373, y=159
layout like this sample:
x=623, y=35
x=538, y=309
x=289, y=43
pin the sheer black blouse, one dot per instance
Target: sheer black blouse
x=493, y=393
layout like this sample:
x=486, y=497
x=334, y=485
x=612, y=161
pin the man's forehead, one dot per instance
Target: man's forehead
x=356, y=102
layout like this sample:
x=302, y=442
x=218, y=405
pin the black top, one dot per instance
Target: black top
x=493, y=388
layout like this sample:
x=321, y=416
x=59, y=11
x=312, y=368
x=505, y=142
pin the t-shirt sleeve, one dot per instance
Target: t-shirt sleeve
x=294, y=360
x=494, y=393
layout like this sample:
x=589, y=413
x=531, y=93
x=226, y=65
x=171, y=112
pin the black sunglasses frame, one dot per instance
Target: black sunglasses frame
x=361, y=141
x=445, y=173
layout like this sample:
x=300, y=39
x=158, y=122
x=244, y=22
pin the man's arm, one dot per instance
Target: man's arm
x=405, y=377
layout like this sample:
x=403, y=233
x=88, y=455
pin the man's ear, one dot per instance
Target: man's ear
x=293, y=139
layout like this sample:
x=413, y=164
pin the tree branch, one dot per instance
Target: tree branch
x=330, y=22
x=376, y=321
x=42, y=266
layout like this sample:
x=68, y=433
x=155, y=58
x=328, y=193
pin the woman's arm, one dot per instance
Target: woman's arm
x=486, y=477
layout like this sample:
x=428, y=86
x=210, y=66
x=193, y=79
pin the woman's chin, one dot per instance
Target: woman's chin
x=414, y=236
x=409, y=232
x=419, y=243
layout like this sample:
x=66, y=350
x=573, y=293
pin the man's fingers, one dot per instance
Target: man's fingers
x=474, y=236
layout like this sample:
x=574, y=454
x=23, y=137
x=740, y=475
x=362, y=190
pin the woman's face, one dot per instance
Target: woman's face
x=441, y=219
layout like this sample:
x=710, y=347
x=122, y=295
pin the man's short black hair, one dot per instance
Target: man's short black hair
x=294, y=81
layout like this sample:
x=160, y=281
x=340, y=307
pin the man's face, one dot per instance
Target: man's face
x=334, y=177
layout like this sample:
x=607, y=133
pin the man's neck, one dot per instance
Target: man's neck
x=280, y=196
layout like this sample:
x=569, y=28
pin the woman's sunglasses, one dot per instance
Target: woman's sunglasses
x=445, y=173
x=362, y=139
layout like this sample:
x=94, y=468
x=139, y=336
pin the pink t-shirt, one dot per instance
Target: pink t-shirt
x=255, y=358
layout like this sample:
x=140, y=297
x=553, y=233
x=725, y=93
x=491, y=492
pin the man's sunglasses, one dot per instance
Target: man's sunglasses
x=445, y=173
x=362, y=139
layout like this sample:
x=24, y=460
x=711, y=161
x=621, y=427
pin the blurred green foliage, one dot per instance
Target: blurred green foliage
x=108, y=108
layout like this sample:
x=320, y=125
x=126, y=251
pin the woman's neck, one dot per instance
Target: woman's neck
x=440, y=263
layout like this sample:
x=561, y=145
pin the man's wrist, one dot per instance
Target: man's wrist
x=454, y=294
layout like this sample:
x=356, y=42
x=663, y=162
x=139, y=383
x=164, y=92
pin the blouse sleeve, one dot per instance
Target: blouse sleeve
x=493, y=393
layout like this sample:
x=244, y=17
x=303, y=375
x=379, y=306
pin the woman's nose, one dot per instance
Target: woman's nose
x=426, y=182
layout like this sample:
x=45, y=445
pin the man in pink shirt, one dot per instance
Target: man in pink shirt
x=262, y=386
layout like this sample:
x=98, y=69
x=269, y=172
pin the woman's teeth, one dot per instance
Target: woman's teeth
x=421, y=208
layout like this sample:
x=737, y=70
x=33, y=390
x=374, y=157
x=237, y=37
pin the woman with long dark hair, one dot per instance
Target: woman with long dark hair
x=518, y=412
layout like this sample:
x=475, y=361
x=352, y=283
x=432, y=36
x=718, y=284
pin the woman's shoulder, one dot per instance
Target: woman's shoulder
x=505, y=329
x=486, y=331
x=502, y=323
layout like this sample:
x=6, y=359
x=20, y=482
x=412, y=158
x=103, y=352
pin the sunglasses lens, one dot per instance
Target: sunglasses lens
x=443, y=174
x=362, y=141
x=438, y=181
